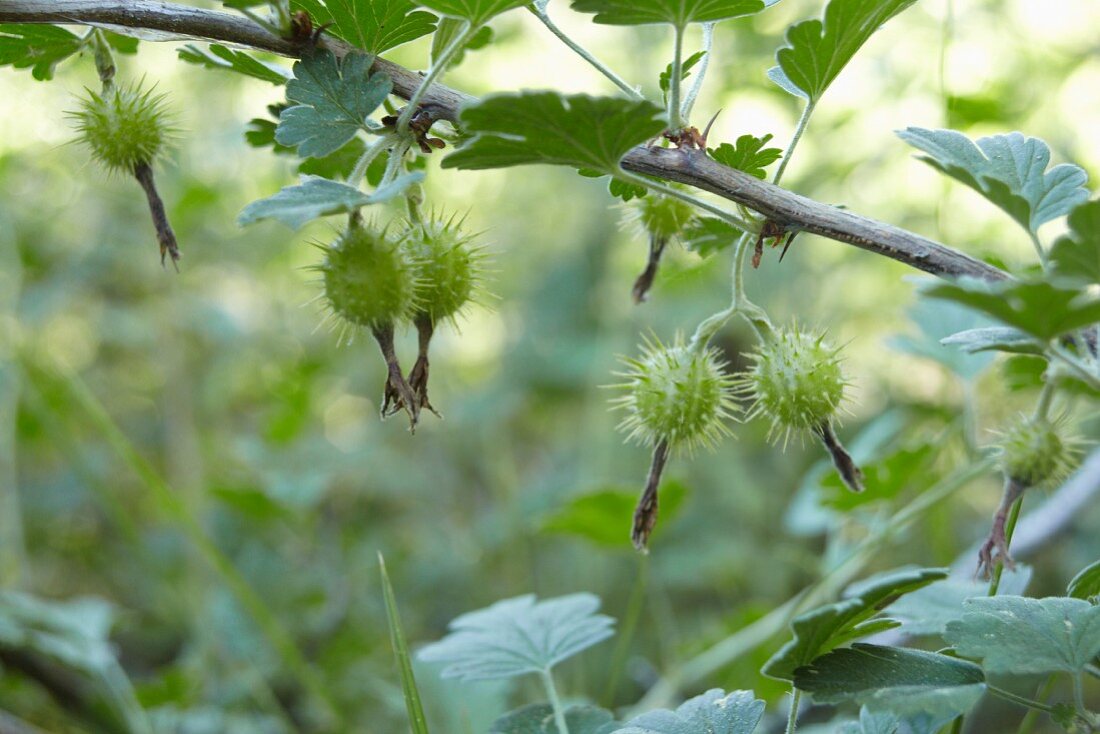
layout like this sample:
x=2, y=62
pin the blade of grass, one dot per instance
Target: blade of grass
x=267, y=622
x=418, y=724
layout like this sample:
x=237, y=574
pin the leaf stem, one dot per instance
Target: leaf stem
x=1075, y=364
x=439, y=65
x=792, y=716
x=675, y=115
x=1027, y=723
x=717, y=211
x=555, y=701
x=371, y=152
x=1021, y=700
x=1010, y=528
x=581, y=51
x=697, y=85
x=803, y=123
x=1038, y=248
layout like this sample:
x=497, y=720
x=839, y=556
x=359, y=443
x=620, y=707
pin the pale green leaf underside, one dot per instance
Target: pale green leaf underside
x=518, y=636
x=333, y=102
x=927, y=611
x=545, y=127
x=372, y=25
x=674, y=12
x=816, y=51
x=317, y=197
x=1016, y=635
x=220, y=57
x=538, y=718
x=906, y=683
x=1076, y=256
x=1009, y=170
x=478, y=12
x=827, y=627
x=994, y=339
x=714, y=712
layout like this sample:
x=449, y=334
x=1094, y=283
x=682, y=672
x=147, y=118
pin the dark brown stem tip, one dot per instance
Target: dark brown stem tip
x=645, y=281
x=166, y=238
x=396, y=395
x=994, y=550
x=846, y=466
x=645, y=514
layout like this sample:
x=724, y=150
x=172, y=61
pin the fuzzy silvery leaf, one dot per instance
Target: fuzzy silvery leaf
x=935, y=320
x=1042, y=310
x=1075, y=257
x=332, y=102
x=518, y=636
x=478, y=12
x=872, y=723
x=220, y=57
x=374, y=26
x=927, y=611
x=1008, y=170
x=1016, y=635
x=317, y=197
x=906, y=683
x=825, y=628
x=674, y=12
x=546, y=127
x=714, y=712
x=36, y=47
x=817, y=51
x=994, y=339
x=538, y=718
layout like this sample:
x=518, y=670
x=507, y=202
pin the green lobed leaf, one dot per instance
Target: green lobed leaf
x=1075, y=257
x=36, y=47
x=1042, y=310
x=333, y=102
x=625, y=190
x=1008, y=170
x=747, y=154
x=906, y=683
x=817, y=51
x=538, y=718
x=1086, y=584
x=603, y=516
x=478, y=12
x=927, y=611
x=317, y=197
x=220, y=57
x=994, y=339
x=1016, y=635
x=545, y=127
x=418, y=723
x=714, y=712
x=374, y=26
x=825, y=628
x=665, y=79
x=708, y=235
x=674, y=12
x=518, y=636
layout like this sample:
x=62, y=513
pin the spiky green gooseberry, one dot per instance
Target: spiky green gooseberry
x=369, y=279
x=1034, y=451
x=677, y=395
x=796, y=381
x=661, y=217
x=449, y=266
x=123, y=127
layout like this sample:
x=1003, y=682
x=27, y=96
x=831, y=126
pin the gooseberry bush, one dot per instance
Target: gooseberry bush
x=907, y=651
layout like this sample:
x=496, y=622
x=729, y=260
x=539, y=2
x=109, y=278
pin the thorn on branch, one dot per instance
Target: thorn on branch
x=420, y=125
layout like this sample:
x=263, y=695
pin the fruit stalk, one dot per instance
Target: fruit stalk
x=166, y=238
x=645, y=514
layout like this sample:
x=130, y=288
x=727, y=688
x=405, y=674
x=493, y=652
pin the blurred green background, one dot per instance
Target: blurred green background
x=266, y=431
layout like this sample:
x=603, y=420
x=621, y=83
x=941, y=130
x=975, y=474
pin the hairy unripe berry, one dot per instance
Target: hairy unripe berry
x=676, y=395
x=1033, y=452
x=369, y=279
x=449, y=267
x=662, y=217
x=123, y=127
x=796, y=381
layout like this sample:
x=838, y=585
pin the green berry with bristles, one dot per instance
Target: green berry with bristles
x=677, y=395
x=662, y=217
x=796, y=381
x=369, y=279
x=1034, y=452
x=449, y=267
x=123, y=126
